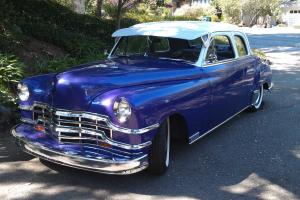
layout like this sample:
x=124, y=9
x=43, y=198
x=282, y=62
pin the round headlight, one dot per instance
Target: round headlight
x=23, y=92
x=122, y=110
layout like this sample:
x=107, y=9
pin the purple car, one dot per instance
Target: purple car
x=161, y=81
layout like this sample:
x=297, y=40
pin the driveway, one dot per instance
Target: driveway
x=254, y=156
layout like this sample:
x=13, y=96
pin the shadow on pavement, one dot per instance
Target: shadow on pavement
x=8, y=150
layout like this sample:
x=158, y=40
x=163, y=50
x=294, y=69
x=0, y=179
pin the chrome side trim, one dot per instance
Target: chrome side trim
x=25, y=107
x=27, y=121
x=69, y=159
x=94, y=116
x=197, y=135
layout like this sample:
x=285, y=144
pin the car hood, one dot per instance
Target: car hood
x=76, y=88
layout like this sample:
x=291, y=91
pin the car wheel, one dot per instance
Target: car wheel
x=159, y=157
x=257, y=99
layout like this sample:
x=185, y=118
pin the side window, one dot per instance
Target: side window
x=196, y=43
x=220, y=49
x=241, y=46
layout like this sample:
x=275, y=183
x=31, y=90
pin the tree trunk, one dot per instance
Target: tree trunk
x=79, y=6
x=254, y=18
x=99, y=8
x=119, y=14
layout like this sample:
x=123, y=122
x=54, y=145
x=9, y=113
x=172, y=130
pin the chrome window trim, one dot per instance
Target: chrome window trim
x=226, y=61
x=114, y=47
x=230, y=34
x=246, y=41
x=221, y=33
x=95, y=116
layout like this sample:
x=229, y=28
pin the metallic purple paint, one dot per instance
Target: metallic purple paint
x=155, y=89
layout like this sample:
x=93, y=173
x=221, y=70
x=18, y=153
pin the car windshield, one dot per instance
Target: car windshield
x=160, y=47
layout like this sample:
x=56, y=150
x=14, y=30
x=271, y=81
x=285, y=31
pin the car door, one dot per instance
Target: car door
x=222, y=66
x=245, y=67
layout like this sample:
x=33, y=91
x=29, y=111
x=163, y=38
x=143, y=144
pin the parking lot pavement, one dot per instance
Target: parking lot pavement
x=254, y=156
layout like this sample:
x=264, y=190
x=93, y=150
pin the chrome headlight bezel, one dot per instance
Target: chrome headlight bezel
x=23, y=92
x=122, y=110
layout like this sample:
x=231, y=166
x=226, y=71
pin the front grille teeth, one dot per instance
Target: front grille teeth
x=72, y=128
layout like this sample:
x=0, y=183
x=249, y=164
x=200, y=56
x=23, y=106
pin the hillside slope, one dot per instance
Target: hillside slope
x=41, y=36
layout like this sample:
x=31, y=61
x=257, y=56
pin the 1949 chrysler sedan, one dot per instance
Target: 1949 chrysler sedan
x=162, y=80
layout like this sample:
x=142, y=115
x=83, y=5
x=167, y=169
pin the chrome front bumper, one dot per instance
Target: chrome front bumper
x=67, y=158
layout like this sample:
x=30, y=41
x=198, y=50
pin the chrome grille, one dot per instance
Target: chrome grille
x=72, y=127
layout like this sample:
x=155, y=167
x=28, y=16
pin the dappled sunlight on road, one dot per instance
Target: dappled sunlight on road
x=260, y=188
x=296, y=152
x=285, y=62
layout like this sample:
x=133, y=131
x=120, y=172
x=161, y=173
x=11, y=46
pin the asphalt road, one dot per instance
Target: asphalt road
x=254, y=156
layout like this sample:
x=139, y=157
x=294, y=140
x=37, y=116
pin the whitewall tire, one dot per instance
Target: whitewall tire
x=159, y=156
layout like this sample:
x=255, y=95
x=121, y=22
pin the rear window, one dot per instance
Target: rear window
x=197, y=43
x=241, y=46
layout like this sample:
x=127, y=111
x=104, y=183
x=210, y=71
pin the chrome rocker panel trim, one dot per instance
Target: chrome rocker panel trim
x=91, y=164
x=196, y=136
x=93, y=116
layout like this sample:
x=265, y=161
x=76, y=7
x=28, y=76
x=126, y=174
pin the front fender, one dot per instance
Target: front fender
x=151, y=104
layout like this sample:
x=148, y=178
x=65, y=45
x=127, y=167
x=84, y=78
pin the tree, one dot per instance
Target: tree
x=256, y=8
x=79, y=6
x=231, y=9
x=120, y=7
x=235, y=10
x=99, y=5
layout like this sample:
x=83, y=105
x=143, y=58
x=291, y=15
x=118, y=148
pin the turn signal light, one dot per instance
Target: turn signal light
x=105, y=145
x=39, y=127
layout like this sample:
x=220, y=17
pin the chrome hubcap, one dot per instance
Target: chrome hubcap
x=168, y=144
x=257, y=98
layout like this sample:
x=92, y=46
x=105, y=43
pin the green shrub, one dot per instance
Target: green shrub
x=259, y=53
x=51, y=13
x=76, y=44
x=144, y=13
x=147, y=13
x=49, y=21
x=11, y=72
x=60, y=64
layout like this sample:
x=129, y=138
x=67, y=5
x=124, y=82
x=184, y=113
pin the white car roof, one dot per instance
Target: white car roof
x=188, y=30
